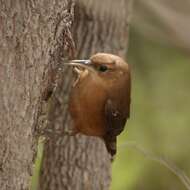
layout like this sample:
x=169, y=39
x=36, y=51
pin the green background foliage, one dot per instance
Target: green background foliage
x=159, y=121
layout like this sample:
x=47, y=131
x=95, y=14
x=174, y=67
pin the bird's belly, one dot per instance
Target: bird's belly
x=91, y=129
x=88, y=121
x=87, y=110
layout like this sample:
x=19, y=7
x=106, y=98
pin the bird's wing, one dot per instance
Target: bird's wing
x=116, y=123
x=115, y=118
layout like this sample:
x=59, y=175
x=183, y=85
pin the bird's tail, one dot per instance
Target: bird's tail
x=111, y=145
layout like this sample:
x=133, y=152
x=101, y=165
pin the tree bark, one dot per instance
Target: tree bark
x=80, y=162
x=28, y=30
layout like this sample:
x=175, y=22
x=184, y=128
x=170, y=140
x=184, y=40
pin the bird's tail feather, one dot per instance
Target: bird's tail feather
x=111, y=145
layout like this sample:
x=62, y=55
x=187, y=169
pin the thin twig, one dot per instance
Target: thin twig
x=165, y=162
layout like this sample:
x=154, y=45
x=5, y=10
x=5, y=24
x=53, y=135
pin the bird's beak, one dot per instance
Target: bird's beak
x=81, y=61
x=80, y=65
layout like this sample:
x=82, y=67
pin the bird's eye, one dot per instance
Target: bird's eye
x=102, y=68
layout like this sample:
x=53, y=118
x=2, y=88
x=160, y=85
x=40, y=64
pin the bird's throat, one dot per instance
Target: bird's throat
x=80, y=73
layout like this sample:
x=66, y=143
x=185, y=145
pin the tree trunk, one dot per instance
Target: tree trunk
x=28, y=30
x=80, y=162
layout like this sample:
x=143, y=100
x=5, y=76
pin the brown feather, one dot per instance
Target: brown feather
x=100, y=99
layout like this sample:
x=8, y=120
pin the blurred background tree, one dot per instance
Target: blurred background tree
x=159, y=56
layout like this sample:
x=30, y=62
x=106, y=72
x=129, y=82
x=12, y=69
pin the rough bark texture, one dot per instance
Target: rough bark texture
x=80, y=162
x=28, y=30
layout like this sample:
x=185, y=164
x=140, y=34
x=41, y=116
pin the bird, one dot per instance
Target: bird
x=100, y=97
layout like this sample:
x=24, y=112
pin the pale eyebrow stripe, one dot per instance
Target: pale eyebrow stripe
x=106, y=62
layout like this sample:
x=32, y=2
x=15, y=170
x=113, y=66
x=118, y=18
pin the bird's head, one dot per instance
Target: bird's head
x=106, y=68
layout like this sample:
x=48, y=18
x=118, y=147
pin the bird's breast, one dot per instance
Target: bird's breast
x=86, y=106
